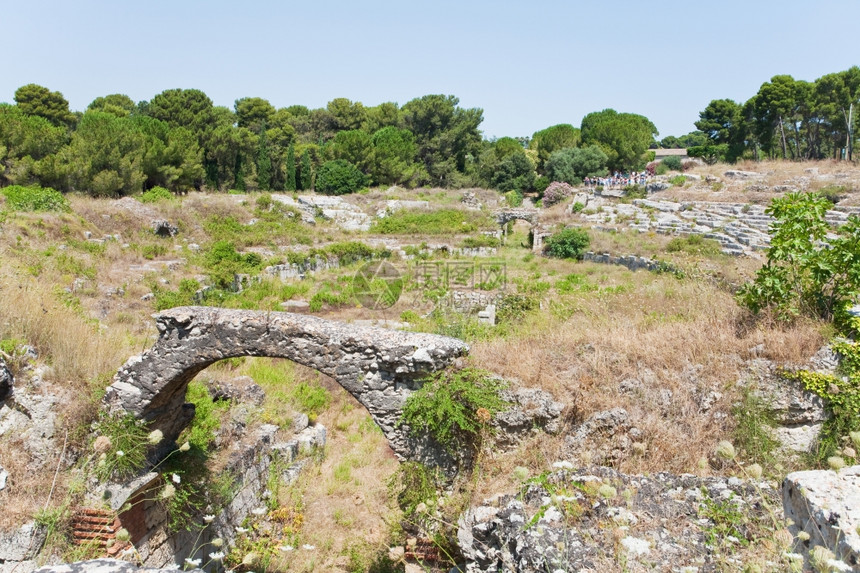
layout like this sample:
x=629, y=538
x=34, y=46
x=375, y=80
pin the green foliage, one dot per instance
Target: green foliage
x=623, y=137
x=555, y=138
x=339, y=177
x=513, y=307
x=37, y=100
x=311, y=399
x=833, y=193
x=200, y=433
x=673, y=162
x=454, y=407
x=513, y=198
x=156, y=194
x=393, y=156
x=290, y=182
x=125, y=453
x=723, y=124
x=183, y=296
x=753, y=433
x=678, y=180
x=441, y=222
x=571, y=165
x=306, y=172
x=414, y=483
x=515, y=172
x=569, y=243
x=842, y=396
x=19, y=198
x=222, y=261
x=480, y=241
x=804, y=275
x=727, y=519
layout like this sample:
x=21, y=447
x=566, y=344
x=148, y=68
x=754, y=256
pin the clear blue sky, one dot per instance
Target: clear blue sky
x=528, y=65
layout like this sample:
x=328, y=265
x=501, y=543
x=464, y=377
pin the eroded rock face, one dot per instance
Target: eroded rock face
x=826, y=505
x=6, y=380
x=105, y=566
x=379, y=367
x=589, y=519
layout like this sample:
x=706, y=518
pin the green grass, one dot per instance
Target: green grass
x=441, y=222
x=35, y=198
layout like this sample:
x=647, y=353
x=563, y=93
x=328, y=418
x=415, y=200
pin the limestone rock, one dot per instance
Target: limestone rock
x=6, y=380
x=22, y=544
x=532, y=409
x=736, y=174
x=106, y=566
x=164, y=228
x=826, y=505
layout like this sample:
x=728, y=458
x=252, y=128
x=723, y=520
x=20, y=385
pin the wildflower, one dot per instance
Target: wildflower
x=607, y=491
x=259, y=511
x=838, y=565
x=754, y=471
x=216, y=556
x=250, y=559
x=783, y=538
x=209, y=518
x=242, y=530
x=185, y=447
x=217, y=542
x=307, y=547
x=155, y=437
x=702, y=463
x=168, y=491
x=483, y=415
x=120, y=453
x=176, y=479
x=639, y=448
x=855, y=437
x=521, y=473
x=563, y=465
x=849, y=452
x=102, y=444
x=726, y=450
x=820, y=556
x=192, y=562
x=803, y=536
x=122, y=535
x=836, y=463
x=286, y=547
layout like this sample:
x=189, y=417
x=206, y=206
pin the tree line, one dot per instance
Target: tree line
x=786, y=119
x=180, y=140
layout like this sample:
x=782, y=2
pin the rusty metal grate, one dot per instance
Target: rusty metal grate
x=424, y=550
x=97, y=528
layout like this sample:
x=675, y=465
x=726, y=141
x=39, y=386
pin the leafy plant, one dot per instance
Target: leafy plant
x=156, y=194
x=695, y=245
x=339, y=177
x=807, y=272
x=570, y=243
x=35, y=198
x=678, y=180
x=441, y=222
x=673, y=163
x=555, y=192
x=454, y=407
x=122, y=443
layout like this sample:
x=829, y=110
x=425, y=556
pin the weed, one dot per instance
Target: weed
x=441, y=222
x=156, y=195
x=35, y=198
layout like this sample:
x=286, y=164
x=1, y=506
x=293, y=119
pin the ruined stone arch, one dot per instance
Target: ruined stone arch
x=379, y=367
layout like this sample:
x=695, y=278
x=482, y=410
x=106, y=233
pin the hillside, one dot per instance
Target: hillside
x=655, y=368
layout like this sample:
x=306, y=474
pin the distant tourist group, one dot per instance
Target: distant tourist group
x=618, y=179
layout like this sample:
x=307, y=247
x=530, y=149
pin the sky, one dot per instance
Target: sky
x=528, y=65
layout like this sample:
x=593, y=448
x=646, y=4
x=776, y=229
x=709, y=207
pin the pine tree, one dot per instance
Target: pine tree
x=290, y=183
x=264, y=162
x=306, y=171
x=239, y=173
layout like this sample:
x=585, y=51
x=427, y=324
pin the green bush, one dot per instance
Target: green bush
x=480, y=241
x=156, y=194
x=833, y=193
x=678, y=180
x=35, y=198
x=339, y=177
x=673, y=163
x=223, y=262
x=694, y=244
x=454, y=407
x=570, y=243
x=311, y=399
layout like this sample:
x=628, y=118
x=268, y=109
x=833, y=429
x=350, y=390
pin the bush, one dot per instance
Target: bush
x=223, y=261
x=672, y=163
x=570, y=243
x=35, y=198
x=570, y=165
x=339, y=177
x=441, y=222
x=833, y=193
x=694, y=244
x=555, y=192
x=454, y=407
x=155, y=195
x=513, y=198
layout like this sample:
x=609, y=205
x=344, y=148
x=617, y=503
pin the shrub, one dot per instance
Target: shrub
x=572, y=164
x=339, y=177
x=804, y=275
x=514, y=198
x=223, y=261
x=441, y=222
x=568, y=244
x=833, y=193
x=155, y=195
x=454, y=407
x=694, y=244
x=678, y=180
x=672, y=163
x=480, y=241
x=635, y=192
x=555, y=192
x=35, y=198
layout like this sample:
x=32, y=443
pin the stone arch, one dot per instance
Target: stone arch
x=379, y=367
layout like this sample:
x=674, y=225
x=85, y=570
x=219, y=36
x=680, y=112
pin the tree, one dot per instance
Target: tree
x=191, y=109
x=444, y=133
x=570, y=243
x=25, y=141
x=264, y=162
x=573, y=164
x=306, y=179
x=339, y=177
x=809, y=271
x=37, y=100
x=386, y=114
x=623, y=137
x=290, y=183
x=354, y=146
x=393, y=154
x=776, y=104
x=346, y=115
x=254, y=113
x=554, y=138
x=722, y=122
x=119, y=105
x=516, y=172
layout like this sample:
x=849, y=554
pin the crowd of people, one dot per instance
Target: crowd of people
x=618, y=179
